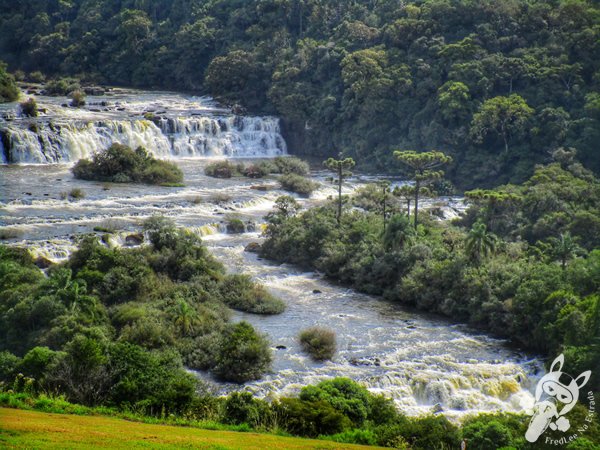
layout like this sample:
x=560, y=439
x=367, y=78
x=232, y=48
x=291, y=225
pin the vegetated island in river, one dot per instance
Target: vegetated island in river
x=121, y=164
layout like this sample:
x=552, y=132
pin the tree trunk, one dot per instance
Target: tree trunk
x=339, y=212
x=384, y=205
x=417, y=187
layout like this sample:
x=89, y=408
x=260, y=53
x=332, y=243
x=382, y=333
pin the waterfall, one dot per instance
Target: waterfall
x=60, y=141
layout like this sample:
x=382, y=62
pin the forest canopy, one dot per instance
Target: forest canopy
x=496, y=85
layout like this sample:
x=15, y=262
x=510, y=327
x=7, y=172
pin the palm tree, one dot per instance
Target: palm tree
x=398, y=232
x=564, y=248
x=479, y=242
x=186, y=318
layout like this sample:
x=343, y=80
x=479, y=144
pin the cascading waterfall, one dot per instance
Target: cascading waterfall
x=56, y=138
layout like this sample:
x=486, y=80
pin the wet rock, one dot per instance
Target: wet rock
x=281, y=347
x=134, y=239
x=94, y=90
x=411, y=327
x=437, y=408
x=316, y=291
x=365, y=361
x=261, y=187
x=252, y=247
x=42, y=262
x=250, y=227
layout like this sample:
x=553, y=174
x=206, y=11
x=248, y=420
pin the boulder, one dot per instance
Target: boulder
x=42, y=262
x=252, y=247
x=134, y=239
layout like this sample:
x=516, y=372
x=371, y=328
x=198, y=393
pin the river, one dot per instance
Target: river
x=423, y=362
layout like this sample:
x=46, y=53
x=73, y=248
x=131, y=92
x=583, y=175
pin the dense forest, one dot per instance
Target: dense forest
x=497, y=85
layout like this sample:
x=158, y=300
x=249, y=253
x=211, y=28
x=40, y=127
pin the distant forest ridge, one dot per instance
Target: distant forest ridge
x=497, y=85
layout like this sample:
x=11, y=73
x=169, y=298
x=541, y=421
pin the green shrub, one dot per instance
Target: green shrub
x=235, y=225
x=8, y=366
x=358, y=436
x=77, y=98
x=242, y=407
x=256, y=170
x=121, y=164
x=242, y=355
x=76, y=193
x=221, y=169
x=310, y=418
x=9, y=92
x=241, y=293
x=485, y=435
x=343, y=394
x=37, y=77
x=318, y=342
x=62, y=86
x=290, y=164
x=298, y=184
x=29, y=108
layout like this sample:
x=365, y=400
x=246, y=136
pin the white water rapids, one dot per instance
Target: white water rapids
x=423, y=362
x=168, y=125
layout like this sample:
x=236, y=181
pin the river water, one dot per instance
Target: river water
x=423, y=362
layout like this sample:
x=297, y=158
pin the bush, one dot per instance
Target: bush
x=343, y=394
x=37, y=77
x=77, y=98
x=235, y=225
x=220, y=169
x=9, y=92
x=62, y=86
x=241, y=293
x=121, y=164
x=318, y=342
x=243, y=354
x=76, y=193
x=358, y=436
x=242, y=407
x=298, y=184
x=29, y=108
x=291, y=164
x=310, y=419
x=257, y=170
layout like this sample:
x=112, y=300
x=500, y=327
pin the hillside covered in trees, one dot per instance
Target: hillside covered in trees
x=497, y=85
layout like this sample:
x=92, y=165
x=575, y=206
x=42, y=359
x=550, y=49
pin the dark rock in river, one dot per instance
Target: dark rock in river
x=42, y=262
x=281, y=347
x=134, y=239
x=316, y=291
x=252, y=247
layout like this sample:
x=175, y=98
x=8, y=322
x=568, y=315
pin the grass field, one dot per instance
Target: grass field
x=21, y=429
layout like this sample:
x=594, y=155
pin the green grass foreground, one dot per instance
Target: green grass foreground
x=32, y=429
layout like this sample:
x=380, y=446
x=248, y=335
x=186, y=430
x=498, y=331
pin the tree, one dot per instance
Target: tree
x=341, y=167
x=9, y=92
x=423, y=167
x=454, y=100
x=185, y=317
x=385, y=195
x=398, y=233
x=564, y=248
x=243, y=354
x=505, y=116
x=479, y=242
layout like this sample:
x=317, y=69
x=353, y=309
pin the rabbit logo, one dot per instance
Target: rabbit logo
x=555, y=395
